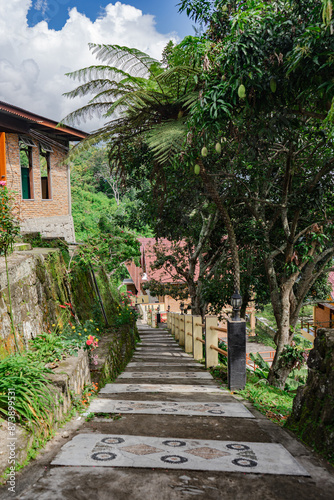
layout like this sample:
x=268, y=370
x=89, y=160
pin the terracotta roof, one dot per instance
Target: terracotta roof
x=15, y=119
x=331, y=280
x=147, y=259
x=135, y=273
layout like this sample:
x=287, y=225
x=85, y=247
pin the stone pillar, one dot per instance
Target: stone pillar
x=197, y=334
x=312, y=416
x=236, y=348
x=188, y=337
x=211, y=338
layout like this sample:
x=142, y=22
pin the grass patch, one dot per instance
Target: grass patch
x=270, y=401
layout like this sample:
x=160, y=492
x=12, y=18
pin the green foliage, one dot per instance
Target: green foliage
x=126, y=315
x=9, y=223
x=270, y=401
x=63, y=342
x=34, y=400
x=262, y=368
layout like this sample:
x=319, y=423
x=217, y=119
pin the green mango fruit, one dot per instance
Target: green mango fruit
x=204, y=151
x=242, y=91
x=218, y=148
x=197, y=169
x=273, y=85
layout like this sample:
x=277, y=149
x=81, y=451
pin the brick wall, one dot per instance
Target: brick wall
x=37, y=207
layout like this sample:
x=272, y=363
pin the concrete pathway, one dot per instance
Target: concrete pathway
x=165, y=430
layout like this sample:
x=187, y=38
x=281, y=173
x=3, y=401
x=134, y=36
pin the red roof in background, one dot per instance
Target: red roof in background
x=331, y=280
x=147, y=259
x=13, y=118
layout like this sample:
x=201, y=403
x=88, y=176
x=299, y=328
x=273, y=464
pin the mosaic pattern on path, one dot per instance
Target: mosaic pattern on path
x=157, y=375
x=237, y=410
x=105, y=450
x=158, y=344
x=125, y=388
x=143, y=364
x=156, y=348
x=158, y=354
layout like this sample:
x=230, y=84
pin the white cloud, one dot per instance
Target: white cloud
x=41, y=5
x=33, y=60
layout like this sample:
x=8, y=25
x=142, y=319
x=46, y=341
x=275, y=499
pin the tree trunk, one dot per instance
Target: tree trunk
x=213, y=193
x=279, y=372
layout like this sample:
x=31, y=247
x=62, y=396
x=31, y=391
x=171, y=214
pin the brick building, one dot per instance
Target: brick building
x=32, y=150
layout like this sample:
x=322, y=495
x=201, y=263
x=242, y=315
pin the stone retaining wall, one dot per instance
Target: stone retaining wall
x=69, y=380
x=70, y=377
x=313, y=407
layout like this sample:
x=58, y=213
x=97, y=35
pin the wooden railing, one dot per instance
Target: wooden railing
x=192, y=333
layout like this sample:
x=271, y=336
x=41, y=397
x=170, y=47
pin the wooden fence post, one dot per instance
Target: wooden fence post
x=197, y=337
x=181, y=329
x=177, y=332
x=188, y=334
x=211, y=338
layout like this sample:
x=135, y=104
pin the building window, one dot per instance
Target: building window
x=26, y=145
x=44, y=160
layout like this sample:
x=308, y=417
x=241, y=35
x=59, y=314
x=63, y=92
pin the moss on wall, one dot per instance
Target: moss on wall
x=312, y=416
x=40, y=284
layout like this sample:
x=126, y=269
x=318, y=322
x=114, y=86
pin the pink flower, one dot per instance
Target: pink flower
x=89, y=341
x=3, y=183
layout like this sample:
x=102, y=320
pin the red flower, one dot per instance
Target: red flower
x=64, y=307
x=68, y=304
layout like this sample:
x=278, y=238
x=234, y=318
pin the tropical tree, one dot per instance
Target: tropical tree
x=266, y=109
x=259, y=117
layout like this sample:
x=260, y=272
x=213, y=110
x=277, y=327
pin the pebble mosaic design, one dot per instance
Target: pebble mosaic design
x=121, y=388
x=161, y=354
x=137, y=364
x=169, y=453
x=174, y=408
x=157, y=375
x=156, y=348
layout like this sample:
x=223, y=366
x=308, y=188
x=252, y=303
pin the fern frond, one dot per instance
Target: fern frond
x=189, y=100
x=166, y=139
x=130, y=60
x=86, y=112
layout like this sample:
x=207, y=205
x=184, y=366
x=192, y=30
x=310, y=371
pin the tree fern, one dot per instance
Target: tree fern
x=137, y=97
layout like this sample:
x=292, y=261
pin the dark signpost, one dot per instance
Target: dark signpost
x=236, y=347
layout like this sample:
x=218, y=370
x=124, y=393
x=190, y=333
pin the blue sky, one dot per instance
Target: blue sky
x=167, y=17
x=42, y=40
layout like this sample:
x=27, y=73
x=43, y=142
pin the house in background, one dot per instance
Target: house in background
x=139, y=276
x=32, y=153
x=324, y=311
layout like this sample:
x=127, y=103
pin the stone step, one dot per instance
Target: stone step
x=21, y=247
x=105, y=450
x=167, y=374
x=203, y=409
x=169, y=388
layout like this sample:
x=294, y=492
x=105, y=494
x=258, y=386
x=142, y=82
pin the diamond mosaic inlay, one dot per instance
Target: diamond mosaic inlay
x=141, y=449
x=208, y=453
